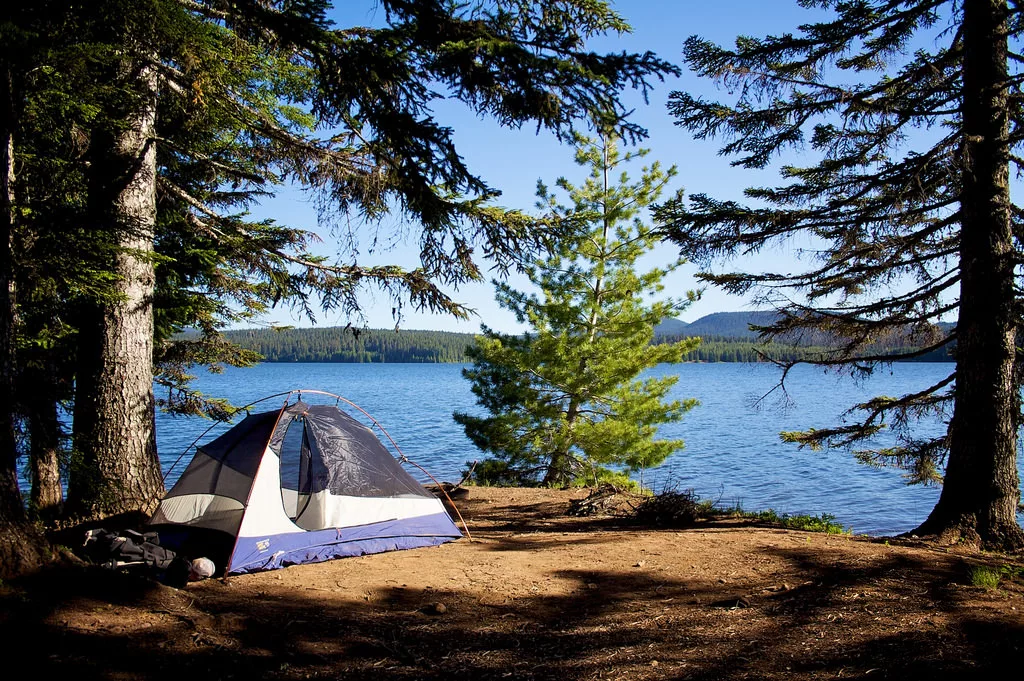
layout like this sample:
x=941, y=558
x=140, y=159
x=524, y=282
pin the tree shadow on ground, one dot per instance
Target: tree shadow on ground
x=892, y=616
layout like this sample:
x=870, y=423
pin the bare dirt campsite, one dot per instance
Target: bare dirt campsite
x=541, y=595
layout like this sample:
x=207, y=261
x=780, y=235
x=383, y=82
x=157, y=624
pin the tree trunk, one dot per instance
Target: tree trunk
x=11, y=508
x=22, y=546
x=115, y=468
x=979, y=498
x=560, y=463
x=47, y=497
x=559, y=470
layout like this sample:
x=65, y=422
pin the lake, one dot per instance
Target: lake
x=733, y=453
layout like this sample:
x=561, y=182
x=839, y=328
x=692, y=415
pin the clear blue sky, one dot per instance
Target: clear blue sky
x=513, y=161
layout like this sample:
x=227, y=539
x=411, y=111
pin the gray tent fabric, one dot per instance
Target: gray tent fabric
x=223, y=470
x=345, y=457
x=296, y=472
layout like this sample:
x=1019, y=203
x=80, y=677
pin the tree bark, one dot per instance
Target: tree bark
x=22, y=546
x=47, y=496
x=11, y=509
x=115, y=468
x=559, y=470
x=979, y=497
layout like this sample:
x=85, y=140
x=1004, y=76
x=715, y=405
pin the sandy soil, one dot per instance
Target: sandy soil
x=539, y=595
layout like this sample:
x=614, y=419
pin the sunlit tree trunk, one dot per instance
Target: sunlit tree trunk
x=115, y=468
x=980, y=495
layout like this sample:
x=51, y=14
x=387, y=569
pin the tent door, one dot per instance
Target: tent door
x=296, y=469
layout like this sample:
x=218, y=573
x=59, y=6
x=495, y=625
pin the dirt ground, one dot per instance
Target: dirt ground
x=540, y=595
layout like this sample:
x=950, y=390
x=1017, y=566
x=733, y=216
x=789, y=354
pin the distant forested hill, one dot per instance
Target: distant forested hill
x=670, y=327
x=718, y=325
x=726, y=337
x=340, y=344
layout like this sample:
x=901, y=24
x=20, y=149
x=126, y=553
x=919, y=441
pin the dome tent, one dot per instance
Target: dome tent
x=300, y=484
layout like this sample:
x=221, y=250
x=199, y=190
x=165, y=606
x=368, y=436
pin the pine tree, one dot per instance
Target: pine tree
x=22, y=546
x=11, y=511
x=912, y=111
x=117, y=469
x=565, y=400
x=200, y=108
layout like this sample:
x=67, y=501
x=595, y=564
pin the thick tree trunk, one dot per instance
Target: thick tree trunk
x=115, y=468
x=47, y=497
x=979, y=498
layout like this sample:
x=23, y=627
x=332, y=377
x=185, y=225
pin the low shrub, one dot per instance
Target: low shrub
x=1014, y=573
x=497, y=473
x=672, y=508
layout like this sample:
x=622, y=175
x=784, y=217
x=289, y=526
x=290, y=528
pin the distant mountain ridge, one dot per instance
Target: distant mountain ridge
x=670, y=326
x=732, y=325
x=717, y=324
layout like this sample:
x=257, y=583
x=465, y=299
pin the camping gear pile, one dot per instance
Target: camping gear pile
x=126, y=549
x=138, y=552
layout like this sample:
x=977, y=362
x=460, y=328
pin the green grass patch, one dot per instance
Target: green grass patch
x=984, y=577
x=1012, y=573
x=808, y=523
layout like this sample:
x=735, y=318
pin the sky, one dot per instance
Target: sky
x=514, y=160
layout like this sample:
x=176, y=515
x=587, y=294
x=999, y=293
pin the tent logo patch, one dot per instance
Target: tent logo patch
x=263, y=545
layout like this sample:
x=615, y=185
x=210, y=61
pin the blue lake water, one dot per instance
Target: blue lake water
x=733, y=453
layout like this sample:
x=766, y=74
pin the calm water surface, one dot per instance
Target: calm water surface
x=733, y=453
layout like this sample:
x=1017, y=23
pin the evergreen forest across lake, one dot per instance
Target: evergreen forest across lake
x=725, y=337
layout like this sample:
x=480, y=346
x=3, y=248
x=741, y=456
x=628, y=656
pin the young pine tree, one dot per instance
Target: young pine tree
x=565, y=400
